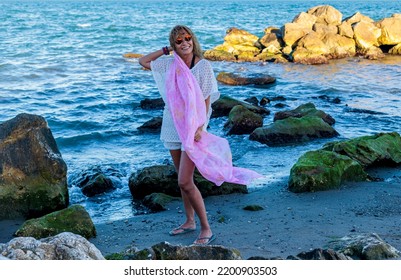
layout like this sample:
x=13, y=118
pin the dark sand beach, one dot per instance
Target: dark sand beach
x=288, y=224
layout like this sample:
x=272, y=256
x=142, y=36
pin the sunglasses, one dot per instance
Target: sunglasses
x=179, y=40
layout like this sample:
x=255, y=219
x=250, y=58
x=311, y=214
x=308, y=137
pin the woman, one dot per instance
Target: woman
x=188, y=87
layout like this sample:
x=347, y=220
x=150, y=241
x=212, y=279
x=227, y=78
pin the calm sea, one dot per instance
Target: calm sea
x=63, y=60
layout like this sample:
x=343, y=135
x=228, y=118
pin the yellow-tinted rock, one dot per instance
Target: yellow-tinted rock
x=366, y=34
x=390, y=31
x=326, y=14
x=292, y=32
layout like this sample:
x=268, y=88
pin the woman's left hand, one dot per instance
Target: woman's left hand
x=198, y=133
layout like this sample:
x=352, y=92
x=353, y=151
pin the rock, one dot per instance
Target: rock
x=305, y=19
x=390, y=31
x=157, y=202
x=345, y=29
x=166, y=251
x=132, y=55
x=367, y=246
x=320, y=254
x=310, y=49
x=73, y=219
x=307, y=109
x=366, y=35
x=153, y=125
x=357, y=17
x=253, y=208
x=238, y=41
x=373, y=53
x=272, y=38
x=64, y=246
x=95, y=184
x=326, y=14
x=339, y=46
x=252, y=100
x=236, y=80
x=293, y=130
x=323, y=170
x=395, y=50
x=163, y=179
x=156, y=103
x=219, y=55
x=225, y=104
x=292, y=32
x=242, y=121
x=378, y=149
x=33, y=175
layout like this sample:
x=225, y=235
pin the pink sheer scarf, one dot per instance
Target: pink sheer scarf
x=212, y=154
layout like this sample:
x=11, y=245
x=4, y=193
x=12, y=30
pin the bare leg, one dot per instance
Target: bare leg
x=192, y=193
x=189, y=210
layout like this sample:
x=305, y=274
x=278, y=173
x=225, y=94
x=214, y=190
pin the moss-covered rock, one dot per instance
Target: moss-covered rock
x=157, y=201
x=242, y=121
x=370, y=150
x=323, y=170
x=225, y=104
x=293, y=130
x=307, y=109
x=73, y=219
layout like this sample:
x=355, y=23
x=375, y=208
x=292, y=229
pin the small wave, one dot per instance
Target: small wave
x=364, y=111
x=84, y=25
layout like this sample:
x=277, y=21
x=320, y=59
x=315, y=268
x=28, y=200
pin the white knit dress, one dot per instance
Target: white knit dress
x=203, y=73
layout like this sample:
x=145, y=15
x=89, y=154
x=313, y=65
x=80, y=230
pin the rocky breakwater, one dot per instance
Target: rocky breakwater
x=314, y=37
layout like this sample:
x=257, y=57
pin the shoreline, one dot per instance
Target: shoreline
x=289, y=224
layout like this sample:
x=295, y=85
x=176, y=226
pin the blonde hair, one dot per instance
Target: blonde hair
x=195, y=43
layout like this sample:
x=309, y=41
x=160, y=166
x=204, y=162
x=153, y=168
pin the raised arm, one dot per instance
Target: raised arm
x=147, y=59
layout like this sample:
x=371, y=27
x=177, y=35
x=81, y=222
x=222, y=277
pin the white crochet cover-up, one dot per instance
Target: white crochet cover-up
x=203, y=73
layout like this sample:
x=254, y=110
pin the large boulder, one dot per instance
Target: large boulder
x=323, y=170
x=342, y=161
x=326, y=14
x=366, y=35
x=310, y=49
x=163, y=179
x=292, y=32
x=339, y=46
x=33, y=175
x=293, y=130
x=390, y=31
x=64, y=246
x=73, y=219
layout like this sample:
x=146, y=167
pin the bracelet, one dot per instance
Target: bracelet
x=165, y=50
